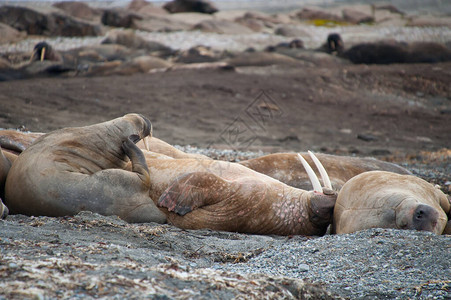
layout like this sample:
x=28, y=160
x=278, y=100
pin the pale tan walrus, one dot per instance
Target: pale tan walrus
x=381, y=199
x=227, y=196
x=83, y=168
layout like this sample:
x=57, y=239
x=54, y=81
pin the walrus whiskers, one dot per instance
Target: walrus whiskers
x=311, y=174
x=322, y=170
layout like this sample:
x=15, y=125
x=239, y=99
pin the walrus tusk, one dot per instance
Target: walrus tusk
x=146, y=142
x=146, y=139
x=42, y=54
x=32, y=56
x=321, y=169
x=311, y=175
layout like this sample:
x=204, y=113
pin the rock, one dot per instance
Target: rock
x=221, y=26
x=380, y=152
x=261, y=59
x=53, y=24
x=429, y=21
x=314, y=14
x=291, y=31
x=78, y=9
x=9, y=34
x=257, y=21
x=140, y=64
x=25, y=19
x=254, y=25
x=68, y=26
x=389, y=7
x=120, y=18
x=356, y=17
x=161, y=23
x=367, y=137
x=129, y=39
x=145, y=8
x=191, y=18
x=201, y=6
x=198, y=54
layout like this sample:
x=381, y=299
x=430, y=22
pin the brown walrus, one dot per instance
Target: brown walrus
x=387, y=52
x=227, y=196
x=286, y=168
x=83, y=168
x=388, y=200
x=5, y=165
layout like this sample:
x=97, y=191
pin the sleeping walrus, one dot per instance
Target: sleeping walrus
x=227, y=196
x=83, y=168
x=286, y=168
x=388, y=200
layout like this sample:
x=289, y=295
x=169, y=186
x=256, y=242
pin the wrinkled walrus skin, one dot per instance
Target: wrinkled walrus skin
x=286, y=168
x=227, y=196
x=75, y=169
x=381, y=199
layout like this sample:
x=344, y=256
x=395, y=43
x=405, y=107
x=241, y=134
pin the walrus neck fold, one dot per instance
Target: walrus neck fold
x=294, y=212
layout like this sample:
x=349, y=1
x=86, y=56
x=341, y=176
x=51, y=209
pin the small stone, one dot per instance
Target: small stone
x=367, y=137
x=303, y=268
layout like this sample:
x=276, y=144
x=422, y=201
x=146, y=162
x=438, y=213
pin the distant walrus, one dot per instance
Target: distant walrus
x=387, y=52
x=285, y=167
x=83, y=168
x=227, y=196
x=388, y=200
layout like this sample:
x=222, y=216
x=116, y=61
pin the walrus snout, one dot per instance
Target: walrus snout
x=4, y=211
x=322, y=207
x=425, y=218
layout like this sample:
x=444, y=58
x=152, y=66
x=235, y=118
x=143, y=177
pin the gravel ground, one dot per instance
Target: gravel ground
x=372, y=264
x=91, y=256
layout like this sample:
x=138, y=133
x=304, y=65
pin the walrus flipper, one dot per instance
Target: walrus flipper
x=17, y=141
x=139, y=165
x=193, y=190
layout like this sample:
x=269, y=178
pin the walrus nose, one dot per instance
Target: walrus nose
x=424, y=218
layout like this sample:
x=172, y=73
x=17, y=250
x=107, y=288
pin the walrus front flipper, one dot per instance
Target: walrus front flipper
x=139, y=165
x=191, y=191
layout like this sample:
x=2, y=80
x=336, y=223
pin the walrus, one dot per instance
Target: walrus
x=387, y=52
x=5, y=165
x=285, y=167
x=380, y=199
x=15, y=142
x=83, y=168
x=226, y=196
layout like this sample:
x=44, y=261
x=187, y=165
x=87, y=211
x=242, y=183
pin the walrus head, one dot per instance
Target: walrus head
x=321, y=206
x=43, y=51
x=334, y=43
